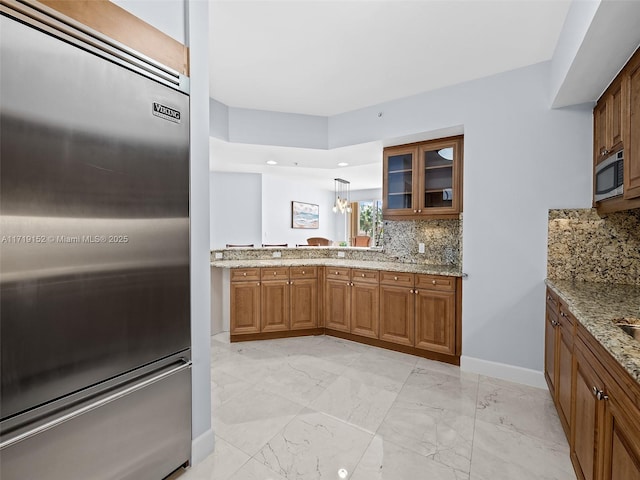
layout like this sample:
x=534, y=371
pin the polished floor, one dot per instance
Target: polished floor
x=325, y=408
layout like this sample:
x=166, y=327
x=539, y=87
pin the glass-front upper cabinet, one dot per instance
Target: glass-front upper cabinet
x=399, y=180
x=423, y=179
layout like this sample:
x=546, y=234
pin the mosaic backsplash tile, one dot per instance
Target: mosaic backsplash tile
x=582, y=246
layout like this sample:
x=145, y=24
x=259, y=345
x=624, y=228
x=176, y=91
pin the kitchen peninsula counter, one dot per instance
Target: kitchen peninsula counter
x=346, y=257
x=445, y=270
x=595, y=306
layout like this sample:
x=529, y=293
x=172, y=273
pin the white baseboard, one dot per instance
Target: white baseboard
x=503, y=371
x=202, y=447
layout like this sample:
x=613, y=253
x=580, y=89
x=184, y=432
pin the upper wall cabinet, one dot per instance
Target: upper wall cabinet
x=616, y=126
x=423, y=180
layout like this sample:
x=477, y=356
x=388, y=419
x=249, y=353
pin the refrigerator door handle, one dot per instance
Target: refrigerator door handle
x=185, y=364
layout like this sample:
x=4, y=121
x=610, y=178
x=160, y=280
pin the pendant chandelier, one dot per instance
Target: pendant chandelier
x=342, y=196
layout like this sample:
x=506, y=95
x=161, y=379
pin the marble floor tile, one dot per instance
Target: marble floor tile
x=254, y=470
x=314, y=446
x=434, y=432
x=225, y=386
x=501, y=453
x=441, y=367
x=249, y=420
x=441, y=390
x=384, y=460
x=525, y=409
x=379, y=371
x=355, y=402
x=299, y=378
x=220, y=465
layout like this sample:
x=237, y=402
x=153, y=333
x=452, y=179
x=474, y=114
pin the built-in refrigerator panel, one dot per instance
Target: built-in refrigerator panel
x=94, y=249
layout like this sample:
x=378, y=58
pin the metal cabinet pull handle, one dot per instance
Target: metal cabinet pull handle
x=549, y=297
x=363, y=275
x=303, y=272
x=433, y=281
x=410, y=291
x=244, y=274
x=337, y=273
x=395, y=278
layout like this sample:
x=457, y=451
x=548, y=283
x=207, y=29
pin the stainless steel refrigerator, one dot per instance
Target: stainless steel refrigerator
x=94, y=255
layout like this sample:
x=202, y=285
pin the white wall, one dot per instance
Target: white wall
x=520, y=159
x=277, y=194
x=236, y=208
x=169, y=16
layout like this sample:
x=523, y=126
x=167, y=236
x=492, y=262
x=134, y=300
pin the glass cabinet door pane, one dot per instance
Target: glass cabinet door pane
x=399, y=181
x=438, y=178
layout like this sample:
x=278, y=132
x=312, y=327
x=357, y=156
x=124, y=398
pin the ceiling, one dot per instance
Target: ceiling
x=322, y=57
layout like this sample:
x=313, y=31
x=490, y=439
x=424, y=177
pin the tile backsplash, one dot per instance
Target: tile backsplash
x=583, y=246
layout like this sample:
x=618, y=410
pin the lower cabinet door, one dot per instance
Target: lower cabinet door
x=622, y=442
x=586, y=425
x=245, y=307
x=564, y=366
x=435, y=321
x=338, y=305
x=275, y=306
x=397, y=308
x=304, y=303
x=550, y=344
x=365, y=309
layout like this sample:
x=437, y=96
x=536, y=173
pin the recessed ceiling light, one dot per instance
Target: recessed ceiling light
x=271, y=162
x=343, y=164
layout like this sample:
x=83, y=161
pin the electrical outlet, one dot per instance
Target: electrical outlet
x=277, y=254
x=421, y=248
x=340, y=254
x=218, y=255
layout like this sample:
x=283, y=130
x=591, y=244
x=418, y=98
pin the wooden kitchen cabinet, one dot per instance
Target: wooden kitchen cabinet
x=609, y=121
x=605, y=440
x=245, y=306
x=435, y=313
x=304, y=298
x=365, y=303
x=558, y=357
x=564, y=366
x=632, y=130
x=599, y=398
x=275, y=299
x=413, y=313
x=271, y=300
x=338, y=299
x=585, y=448
x=551, y=342
x=616, y=124
x=352, y=301
x=423, y=180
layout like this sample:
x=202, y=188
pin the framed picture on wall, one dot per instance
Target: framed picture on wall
x=305, y=215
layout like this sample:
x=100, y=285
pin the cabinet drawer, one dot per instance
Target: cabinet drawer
x=338, y=273
x=365, y=276
x=274, y=273
x=303, y=272
x=397, y=278
x=435, y=282
x=240, y=274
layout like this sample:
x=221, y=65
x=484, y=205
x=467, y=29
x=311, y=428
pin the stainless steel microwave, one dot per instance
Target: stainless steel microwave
x=609, y=177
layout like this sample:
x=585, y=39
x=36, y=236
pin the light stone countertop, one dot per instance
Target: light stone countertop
x=446, y=270
x=595, y=305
